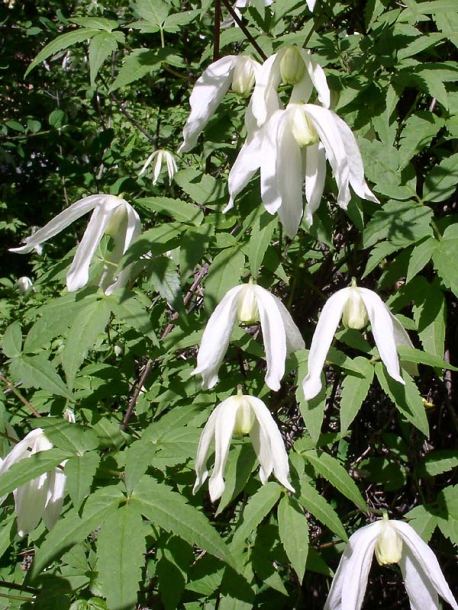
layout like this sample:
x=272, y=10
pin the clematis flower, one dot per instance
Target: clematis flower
x=356, y=307
x=291, y=149
x=40, y=498
x=24, y=285
x=241, y=414
x=235, y=71
x=159, y=156
x=291, y=66
x=393, y=542
x=248, y=303
x=112, y=216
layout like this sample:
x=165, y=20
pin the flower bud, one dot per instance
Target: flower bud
x=247, y=306
x=355, y=313
x=303, y=130
x=388, y=548
x=245, y=416
x=24, y=285
x=292, y=66
x=243, y=77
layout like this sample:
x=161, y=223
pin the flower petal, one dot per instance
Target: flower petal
x=422, y=595
x=30, y=500
x=268, y=155
x=216, y=338
x=203, y=449
x=294, y=340
x=265, y=100
x=315, y=177
x=55, y=498
x=274, y=336
x=322, y=339
x=209, y=90
x=317, y=77
x=59, y=222
x=421, y=553
x=224, y=428
x=247, y=162
x=383, y=331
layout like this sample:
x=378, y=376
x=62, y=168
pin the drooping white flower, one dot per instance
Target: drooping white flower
x=292, y=66
x=24, y=285
x=393, y=542
x=248, y=303
x=158, y=157
x=291, y=150
x=112, y=216
x=233, y=71
x=241, y=414
x=40, y=498
x=356, y=307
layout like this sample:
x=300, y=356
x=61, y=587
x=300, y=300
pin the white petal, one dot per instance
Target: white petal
x=322, y=339
x=55, y=498
x=315, y=177
x=421, y=552
x=59, y=222
x=206, y=96
x=203, y=450
x=268, y=159
x=224, y=428
x=268, y=444
x=383, y=331
x=422, y=595
x=318, y=78
x=265, y=100
x=274, y=336
x=311, y=4
x=216, y=338
x=30, y=500
x=247, y=162
x=350, y=581
x=294, y=340
x=78, y=274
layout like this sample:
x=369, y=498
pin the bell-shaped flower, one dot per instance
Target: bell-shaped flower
x=111, y=216
x=291, y=150
x=356, y=307
x=24, y=285
x=292, y=66
x=40, y=498
x=237, y=72
x=241, y=414
x=157, y=158
x=393, y=542
x=248, y=304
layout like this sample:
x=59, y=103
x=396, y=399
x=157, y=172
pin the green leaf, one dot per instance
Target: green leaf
x=174, y=208
x=163, y=274
x=62, y=42
x=169, y=511
x=438, y=462
x=95, y=23
x=38, y=372
x=437, y=6
x=153, y=11
x=378, y=253
x=354, y=391
x=294, y=534
x=238, y=470
x=224, y=273
x=259, y=505
x=12, y=340
x=132, y=309
x=80, y=473
x=138, y=459
x=421, y=255
x=72, y=529
x=30, y=468
x=423, y=521
x=406, y=398
x=441, y=181
x=335, y=473
x=121, y=545
x=401, y=223
x=260, y=239
x=317, y=505
x=68, y=436
x=101, y=47
x=137, y=65
x=410, y=354
x=446, y=251
x=88, y=325
x=429, y=313
x=417, y=134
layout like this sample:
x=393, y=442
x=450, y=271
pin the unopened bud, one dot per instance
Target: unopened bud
x=247, y=306
x=303, y=131
x=24, y=285
x=355, y=313
x=243, y=77
x=292, y=66
x=245, y=417
x=388, y=548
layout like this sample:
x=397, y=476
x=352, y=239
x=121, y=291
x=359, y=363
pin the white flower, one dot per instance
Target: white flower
x=24, y=285
x=249, y=303
x=291, y=149
x=236, y=71
x=112, y=216
x=393, y=542
x=293, y=66
x=356, y=306
x=158, y=156
x=40, y=498
x=241, y=414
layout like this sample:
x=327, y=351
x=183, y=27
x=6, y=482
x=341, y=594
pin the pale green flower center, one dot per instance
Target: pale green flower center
x=247, y=306
x=292, y=66
x=245, y=416
x=116, y=221
x=355, y=312
x=302, y=128
x=243, y=77
x=388, y=548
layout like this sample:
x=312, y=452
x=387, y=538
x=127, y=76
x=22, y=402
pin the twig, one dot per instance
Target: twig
x=19, y=395
x=244, y=29
x=127, y=114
